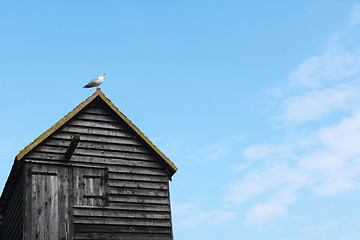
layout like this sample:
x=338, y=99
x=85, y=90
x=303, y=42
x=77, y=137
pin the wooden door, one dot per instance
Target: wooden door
x=48, y=207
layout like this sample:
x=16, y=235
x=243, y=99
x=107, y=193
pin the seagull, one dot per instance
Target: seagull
x=95, y=82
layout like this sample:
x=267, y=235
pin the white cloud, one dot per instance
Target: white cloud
x=257, y=151
x=330, y=167
x=277, y=177
x=322, y=158
x=337, y=164
x=343, y=138
x=335, y=64
x=274, y=207
x=355, y=16
x=318, y=103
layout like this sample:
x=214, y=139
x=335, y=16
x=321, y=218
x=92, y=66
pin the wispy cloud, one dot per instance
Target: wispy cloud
x=334, y=65
x=337, y=164
x=257, y=151
x=322, y=158
x=355, y=16
x=319, y=103
x=318, y=152
x=275, y=206
x=272, y=179
x=191, y=215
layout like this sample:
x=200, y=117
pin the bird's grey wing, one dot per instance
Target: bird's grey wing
x=92, y=83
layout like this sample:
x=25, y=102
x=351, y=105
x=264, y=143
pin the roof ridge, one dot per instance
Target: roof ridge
x=77, y=109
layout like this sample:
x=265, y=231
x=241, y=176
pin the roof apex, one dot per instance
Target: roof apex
x=71, y=114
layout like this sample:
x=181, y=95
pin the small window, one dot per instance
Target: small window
x=91, y=187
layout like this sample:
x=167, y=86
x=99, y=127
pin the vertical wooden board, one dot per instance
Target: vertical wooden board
x=52, y=202
x=64, y=205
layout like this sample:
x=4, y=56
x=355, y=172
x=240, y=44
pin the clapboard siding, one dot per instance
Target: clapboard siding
x=116, y=213
x=114, y=185
x=13, y=213
x=138, y=192
x=100, y=228
x=115, y=175
x=138, y=185
x=96, y=131
x=97, y=139
x=96, y=117
x=137, y=196
x=57, y=153
x=97, y=124
x=97, y=146
x=122, y=236
x=144, y=208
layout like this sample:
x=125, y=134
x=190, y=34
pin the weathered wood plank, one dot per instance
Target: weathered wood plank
x=98, y=139
x=105, y=229
x=105, y=213
x=97, y=124
x=95, y=131
x=54, y=153
x=96, y=153
x=137, y=199
x=122, y=221
x=46, y=156
x=118, y=162
x=111, y=154
x=122, y=236
x=131, y=207
x=138, y=192
x=96, y=117
x=97, y=146
x=138, y=185
x=96, y=110
x=137, y=177
x=139, y=171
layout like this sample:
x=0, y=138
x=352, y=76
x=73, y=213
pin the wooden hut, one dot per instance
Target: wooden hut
x=93, y=175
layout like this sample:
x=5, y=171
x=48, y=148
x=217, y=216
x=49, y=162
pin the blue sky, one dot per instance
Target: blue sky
x=256, y=102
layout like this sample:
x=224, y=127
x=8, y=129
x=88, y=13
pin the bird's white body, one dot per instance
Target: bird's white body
x=95, y=82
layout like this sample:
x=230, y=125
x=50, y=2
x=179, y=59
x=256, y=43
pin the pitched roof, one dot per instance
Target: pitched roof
x=71, y=114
